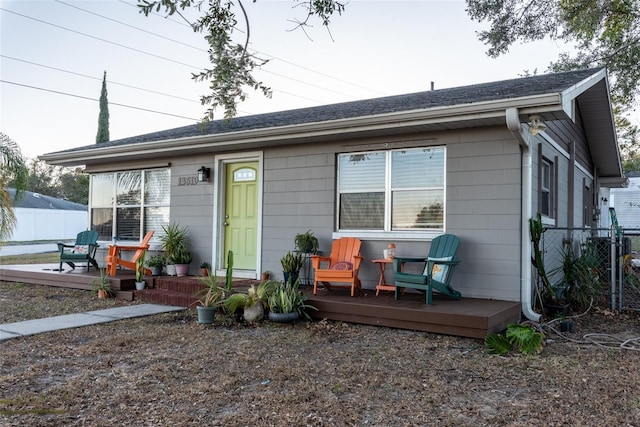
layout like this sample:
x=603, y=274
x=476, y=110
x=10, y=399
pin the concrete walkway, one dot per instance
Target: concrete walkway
x=38, y=326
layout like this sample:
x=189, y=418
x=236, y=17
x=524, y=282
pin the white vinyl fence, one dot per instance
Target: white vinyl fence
x=48, y=224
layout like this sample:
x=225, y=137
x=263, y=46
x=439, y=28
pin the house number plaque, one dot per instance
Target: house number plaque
x=188, y=180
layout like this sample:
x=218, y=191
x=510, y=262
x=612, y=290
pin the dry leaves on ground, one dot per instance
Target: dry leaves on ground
x=167, y=370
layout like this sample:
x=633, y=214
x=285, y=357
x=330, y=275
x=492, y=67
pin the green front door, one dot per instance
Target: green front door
x=241, y=214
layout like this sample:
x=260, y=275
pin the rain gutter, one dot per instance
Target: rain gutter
x=526, y=289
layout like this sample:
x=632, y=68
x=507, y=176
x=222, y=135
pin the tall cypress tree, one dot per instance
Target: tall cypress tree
x=103, y=117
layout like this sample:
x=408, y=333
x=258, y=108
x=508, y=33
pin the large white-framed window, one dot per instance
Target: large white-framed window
x=394, y=190
x=128, y=204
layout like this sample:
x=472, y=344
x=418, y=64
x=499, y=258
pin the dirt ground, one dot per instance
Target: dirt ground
x=168, y=370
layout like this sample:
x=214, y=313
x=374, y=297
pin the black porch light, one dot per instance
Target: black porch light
x=203, y=174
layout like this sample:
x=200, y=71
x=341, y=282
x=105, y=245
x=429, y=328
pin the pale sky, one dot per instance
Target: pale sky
x=53, y=54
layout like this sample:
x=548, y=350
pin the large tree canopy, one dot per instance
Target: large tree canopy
x=231, y=73
x=603, y=33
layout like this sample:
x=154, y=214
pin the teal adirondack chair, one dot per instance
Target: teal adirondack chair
x=83, y=250
x=437, y=272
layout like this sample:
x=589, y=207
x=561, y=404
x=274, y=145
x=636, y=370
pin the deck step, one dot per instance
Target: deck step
x=468, y=317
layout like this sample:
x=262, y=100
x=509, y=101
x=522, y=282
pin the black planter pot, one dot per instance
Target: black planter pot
x=288, y=275
x=556, y=309
x=283, y=317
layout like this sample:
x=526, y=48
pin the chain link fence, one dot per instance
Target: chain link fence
x=600, y=267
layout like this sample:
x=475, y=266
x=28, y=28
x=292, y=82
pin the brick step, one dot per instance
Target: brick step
x=162, y=296
x=191, y=284
x=186, y=284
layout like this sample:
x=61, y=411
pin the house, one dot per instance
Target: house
x=626, y=202
x=476, y=161
x=41, y=217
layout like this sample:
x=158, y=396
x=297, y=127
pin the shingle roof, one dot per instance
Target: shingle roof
x=500, y=90
x=40, y=201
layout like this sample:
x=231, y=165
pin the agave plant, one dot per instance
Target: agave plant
x=287, y=298
x=213, y=294
x=253, y=302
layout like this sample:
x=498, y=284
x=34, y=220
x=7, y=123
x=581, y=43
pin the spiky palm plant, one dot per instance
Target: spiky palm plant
x=14, y=170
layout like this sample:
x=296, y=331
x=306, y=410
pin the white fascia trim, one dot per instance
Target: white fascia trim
x=565, y=154
x=447, y=114
x=570, y=94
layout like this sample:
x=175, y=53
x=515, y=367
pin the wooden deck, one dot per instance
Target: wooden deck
x=468, y=317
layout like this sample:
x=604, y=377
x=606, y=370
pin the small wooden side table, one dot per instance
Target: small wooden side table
x=382, y=282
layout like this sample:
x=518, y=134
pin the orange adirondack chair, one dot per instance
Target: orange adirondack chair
x=114, y=260
x=341, y=266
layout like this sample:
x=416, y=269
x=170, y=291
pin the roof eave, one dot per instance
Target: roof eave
x=350, y=127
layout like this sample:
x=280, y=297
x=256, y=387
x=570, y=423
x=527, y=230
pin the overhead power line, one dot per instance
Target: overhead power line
x=255, y=52
x=131, y=26
x=97, y=100
x=168, y=59
x=102, y=40
x=99, y=79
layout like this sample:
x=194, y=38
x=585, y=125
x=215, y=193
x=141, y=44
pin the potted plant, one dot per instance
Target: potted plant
x=547, y=293
x=212, y=297
x=205, y=268
x=306, y=242
x=155, y=264
x=291, y=265
x=578, y=282
x=140, y=270
x=265, y=275
x=102, y=285
x=253, y=303
x=182, y=259
x=173, y=239
x=287, y=303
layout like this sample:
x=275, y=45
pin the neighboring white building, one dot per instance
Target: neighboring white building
x=626, y=202
x=47, y=218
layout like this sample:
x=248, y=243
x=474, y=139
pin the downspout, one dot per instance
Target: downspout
x=526, y=291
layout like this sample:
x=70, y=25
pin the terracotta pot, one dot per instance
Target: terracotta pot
x=265, y=276
x=204, y=272
x=103, y=294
